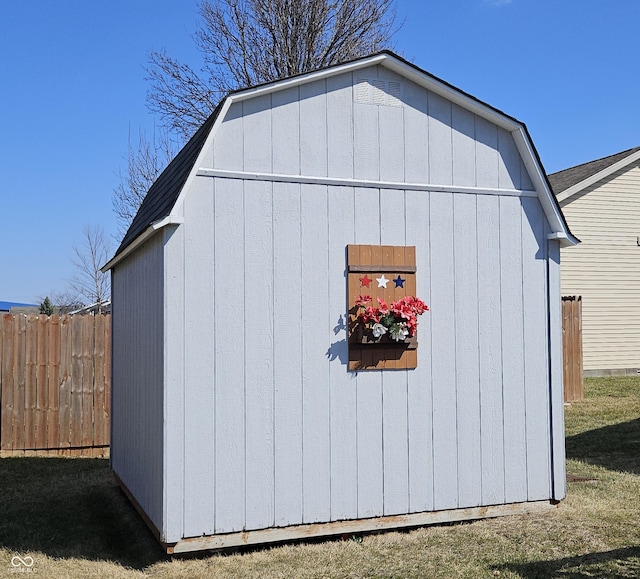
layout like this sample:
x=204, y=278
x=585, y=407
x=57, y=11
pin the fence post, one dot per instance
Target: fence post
x=572, y=348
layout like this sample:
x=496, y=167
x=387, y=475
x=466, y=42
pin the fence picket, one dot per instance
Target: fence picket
x=7, y=395
x=53, y=382
x=19, y=373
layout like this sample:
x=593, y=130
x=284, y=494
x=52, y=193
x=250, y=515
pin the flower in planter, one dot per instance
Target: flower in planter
x=399, y=332
x=399, y=320
x=378, y=330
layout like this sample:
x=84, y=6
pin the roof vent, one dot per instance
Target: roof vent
x=378, y=92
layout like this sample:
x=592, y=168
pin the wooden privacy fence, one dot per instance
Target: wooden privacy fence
x=572, y=348
x=55, y=377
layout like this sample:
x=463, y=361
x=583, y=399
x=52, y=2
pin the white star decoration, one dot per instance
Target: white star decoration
x=382, y=281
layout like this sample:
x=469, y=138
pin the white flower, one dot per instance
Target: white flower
x=378, y=330
x=399, y=332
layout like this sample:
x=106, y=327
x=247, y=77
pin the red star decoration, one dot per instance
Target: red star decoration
x=365, y=281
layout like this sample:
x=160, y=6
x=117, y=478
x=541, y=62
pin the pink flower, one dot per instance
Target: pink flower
x=362, y=300
x=384, y=309
x=371, y=314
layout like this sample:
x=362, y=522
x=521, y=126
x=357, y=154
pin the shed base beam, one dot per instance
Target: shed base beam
x=301, y=532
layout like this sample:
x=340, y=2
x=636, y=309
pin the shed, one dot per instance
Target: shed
x=245, y=408
x=601, y=202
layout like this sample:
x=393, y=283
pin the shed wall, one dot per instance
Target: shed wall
x=281, y=433
x=604, y=269
x=137, y=374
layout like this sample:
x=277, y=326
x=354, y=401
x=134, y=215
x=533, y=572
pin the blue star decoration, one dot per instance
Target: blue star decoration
x=399, y=281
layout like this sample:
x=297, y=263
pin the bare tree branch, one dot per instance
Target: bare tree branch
x=248, y=42
x=144, y=163
x=244, y=43
x=89, y=283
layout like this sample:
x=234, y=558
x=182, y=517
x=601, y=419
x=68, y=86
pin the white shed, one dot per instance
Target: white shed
x=245, y=409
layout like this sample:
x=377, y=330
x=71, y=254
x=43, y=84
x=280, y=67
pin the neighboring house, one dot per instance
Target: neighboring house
x=95, y=308
x=16, y=307
x=601, y=202
x=246, y=409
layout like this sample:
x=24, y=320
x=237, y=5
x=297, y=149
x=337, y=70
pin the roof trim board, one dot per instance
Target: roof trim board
x=368, y=184
x=141, y=239
x=402, y=67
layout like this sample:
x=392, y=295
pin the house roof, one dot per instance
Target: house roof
x=6, y=306
x=569, y=181
x=159, y=206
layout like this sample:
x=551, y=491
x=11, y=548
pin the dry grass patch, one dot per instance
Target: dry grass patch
x=71, y=518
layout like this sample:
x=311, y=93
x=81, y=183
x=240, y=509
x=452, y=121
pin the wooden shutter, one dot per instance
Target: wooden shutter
x=366, y=264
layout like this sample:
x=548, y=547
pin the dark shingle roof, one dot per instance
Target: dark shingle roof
x=562, y=180
x=164, y=192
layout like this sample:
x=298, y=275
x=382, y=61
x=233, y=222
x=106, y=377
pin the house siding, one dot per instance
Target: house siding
x=604, y=269
x=137, y=402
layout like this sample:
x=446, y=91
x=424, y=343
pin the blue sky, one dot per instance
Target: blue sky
x=72, y=88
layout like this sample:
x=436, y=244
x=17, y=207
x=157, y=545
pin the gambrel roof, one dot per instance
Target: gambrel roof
x=569, y=181
x=161, y=204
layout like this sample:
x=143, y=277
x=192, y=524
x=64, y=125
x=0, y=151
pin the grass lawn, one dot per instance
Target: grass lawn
x=69, y=517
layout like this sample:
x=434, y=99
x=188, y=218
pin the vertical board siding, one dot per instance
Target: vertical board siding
x=536, y=363
x=258, y=336
x=490, y=314
x=512, y=337
x=395, y=435
x=313, y=129
x=369, y=384
x=366, y=142
x=342, y=385
x=137, y=412
x=464, y=146
x=416, y=133
x=487, y=169
x=31, y=421
x=287, y=347
x=340, y=154
x=316, y=457
x=256, y=129
x=285, y=131
x=229, y=356
x=468, y=308
x=443, y=352
x=173, y=367
x=419, y=380
x=199, y=366
x=509, y=161
x=440, y=139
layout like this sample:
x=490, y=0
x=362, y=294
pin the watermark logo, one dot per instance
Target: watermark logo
x=22, y=564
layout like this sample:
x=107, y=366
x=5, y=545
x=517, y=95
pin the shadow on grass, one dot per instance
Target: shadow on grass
x=71, y=508
x=615, y=447
x=615, y=564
